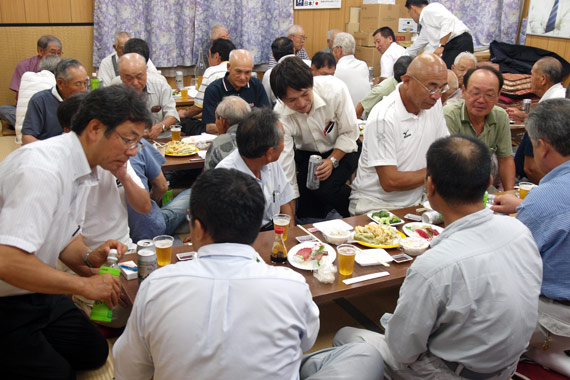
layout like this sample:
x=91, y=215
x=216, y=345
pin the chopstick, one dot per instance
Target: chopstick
x=310, y=234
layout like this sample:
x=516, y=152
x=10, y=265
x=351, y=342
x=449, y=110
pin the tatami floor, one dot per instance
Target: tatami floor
x=357, y=310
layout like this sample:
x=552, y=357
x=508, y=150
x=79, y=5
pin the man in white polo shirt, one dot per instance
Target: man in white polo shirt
x=353, y=72
x=385, y=42
x=392, y=167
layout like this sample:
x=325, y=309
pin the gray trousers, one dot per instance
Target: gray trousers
x=8, y=113
x=426, y=367
x=347, y=362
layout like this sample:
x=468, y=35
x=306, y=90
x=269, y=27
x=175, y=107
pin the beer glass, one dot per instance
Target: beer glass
x=163, y=245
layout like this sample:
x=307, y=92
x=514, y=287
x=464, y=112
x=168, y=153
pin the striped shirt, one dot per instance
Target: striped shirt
x=211, y=74
x=300, y=53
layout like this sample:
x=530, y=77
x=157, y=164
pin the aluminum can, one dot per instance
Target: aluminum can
x=313, y=182
x=526, y=106
x=432, y=217
x=146, y=263
x=145, y=244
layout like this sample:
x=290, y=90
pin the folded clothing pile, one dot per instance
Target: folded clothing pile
x=516, y=85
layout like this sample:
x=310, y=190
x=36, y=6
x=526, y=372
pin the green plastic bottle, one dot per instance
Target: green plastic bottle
x=100, y=311
x=167, y=197
x=94, y=82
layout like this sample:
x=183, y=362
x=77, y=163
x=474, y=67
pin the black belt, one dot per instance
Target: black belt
x=467, y=373
x=563, y=302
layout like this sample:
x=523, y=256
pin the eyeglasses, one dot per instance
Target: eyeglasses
x=432, y=92
x=131, y=144
x=486, y=97
x=303, y=38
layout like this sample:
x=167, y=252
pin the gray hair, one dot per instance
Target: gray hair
x=214, y=30
x=331, y=32
x=259, y=132
x=465, y=54
x=346, y=42
x=62, y=68
x=550, y=121
x=120, y=35
x=551, y=67
x=49, y=63
x=44, y=41
x=293, y=29
x=452, y=81
x=233, y=109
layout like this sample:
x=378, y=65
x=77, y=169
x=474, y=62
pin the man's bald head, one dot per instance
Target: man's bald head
x=240, y=67
x=427, y=64
x=426, y=74
x=132, y=69
x=551, y=67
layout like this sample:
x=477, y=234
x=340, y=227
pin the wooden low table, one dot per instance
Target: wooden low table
x=321, y=292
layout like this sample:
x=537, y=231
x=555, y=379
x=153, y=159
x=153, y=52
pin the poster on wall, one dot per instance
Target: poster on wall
x=549, y=18
x=318, y=4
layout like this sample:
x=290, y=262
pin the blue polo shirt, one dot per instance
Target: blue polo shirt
x=41, y=117
x=253, y=93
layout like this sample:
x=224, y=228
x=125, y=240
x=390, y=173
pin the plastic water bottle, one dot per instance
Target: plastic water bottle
x=200, y=69
x=179, y=80
x=100, y=311
x=94, y=82
x=371, y=74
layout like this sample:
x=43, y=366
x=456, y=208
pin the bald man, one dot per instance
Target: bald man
x=392, y=167
x=132, y=70
x=546, y=78
x=237, y=81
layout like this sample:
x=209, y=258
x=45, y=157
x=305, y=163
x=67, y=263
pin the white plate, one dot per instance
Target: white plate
x=419, y=225
x=375, y=221
x=310, y=265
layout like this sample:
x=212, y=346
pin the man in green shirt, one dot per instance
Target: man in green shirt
x=478, y=116
x=384, y=88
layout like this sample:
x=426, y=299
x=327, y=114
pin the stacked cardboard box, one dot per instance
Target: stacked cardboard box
x=374, y=16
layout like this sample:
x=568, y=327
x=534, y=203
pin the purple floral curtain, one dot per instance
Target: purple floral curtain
x=488, y=20
x=176, y=29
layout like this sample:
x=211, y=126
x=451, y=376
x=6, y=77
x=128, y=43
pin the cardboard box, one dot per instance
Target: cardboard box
x=354, y=15
x=363, y=39
x=374, y=16
x=352, y=27
x=369, y=55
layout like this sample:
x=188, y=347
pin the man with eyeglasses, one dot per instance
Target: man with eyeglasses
x=297, y=34
x=133, y=73
x=41, y=122
x=43, y=334
x=392, y=167
x=478, y=116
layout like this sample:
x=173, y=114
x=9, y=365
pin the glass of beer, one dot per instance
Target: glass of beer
x=346, y=255
x=175, y=132
x=525, y=187
x=281, y=224
x=163, y=245
x=184, y=94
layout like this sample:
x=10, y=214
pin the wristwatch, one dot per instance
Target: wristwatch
x=86, y=259
x=441, y=45
x=334, y=162
x=163, y=127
